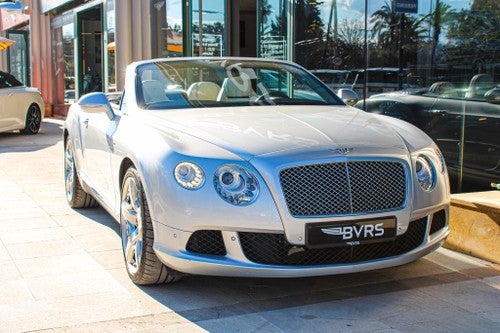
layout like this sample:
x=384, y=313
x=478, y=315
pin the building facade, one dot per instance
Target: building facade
x=370, y=46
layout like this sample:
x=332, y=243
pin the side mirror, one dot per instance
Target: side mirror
x=96, y=102
x=349, y=96
x=493, y=96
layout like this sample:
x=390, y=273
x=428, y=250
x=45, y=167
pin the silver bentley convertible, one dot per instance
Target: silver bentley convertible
x=255, y=168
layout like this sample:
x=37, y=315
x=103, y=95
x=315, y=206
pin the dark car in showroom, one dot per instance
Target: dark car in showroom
x=463, y=121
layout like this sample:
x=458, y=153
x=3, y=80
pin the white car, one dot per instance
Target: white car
x=21, y=108
x=210, y=171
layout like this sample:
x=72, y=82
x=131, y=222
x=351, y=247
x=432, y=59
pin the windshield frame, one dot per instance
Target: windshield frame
x=217, y=71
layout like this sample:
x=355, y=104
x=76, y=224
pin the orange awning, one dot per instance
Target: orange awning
x=174, y=48
x=5, y=43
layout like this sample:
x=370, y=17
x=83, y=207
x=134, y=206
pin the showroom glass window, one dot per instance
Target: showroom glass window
x=211, y=16
x=445, y=56
x=273, y=29
x=110, y=48
x=167, y=28
x=18, y=60
x=63, y=35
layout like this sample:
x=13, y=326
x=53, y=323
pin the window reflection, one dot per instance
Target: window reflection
x=174, y=29
x=211, y=37
x=273, y=29
x=62, y=30
x=438, y=69
x=18, y=55
x=110, y=19
x=167, y=28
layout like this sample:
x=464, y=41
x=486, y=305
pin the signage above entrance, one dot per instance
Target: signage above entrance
x=48, y=5
x=406, y=6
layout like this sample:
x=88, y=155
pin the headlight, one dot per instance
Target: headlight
x=441, y=160
x=425, y=173
x=236, y=185
x=189, y=175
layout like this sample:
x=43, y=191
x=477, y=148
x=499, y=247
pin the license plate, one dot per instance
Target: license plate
x=331, y=234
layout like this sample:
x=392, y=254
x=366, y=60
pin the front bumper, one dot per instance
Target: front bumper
x=171, y=250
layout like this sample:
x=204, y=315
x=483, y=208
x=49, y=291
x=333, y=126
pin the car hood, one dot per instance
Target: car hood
x=273, y=130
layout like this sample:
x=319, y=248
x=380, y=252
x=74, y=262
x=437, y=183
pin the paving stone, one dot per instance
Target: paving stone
x=63, y=271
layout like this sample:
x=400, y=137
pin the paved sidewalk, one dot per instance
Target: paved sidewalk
x=62, y=270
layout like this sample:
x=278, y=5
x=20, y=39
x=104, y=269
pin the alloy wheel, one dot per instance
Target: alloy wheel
x=69, y=171
x=34, y=119
x=131, y=225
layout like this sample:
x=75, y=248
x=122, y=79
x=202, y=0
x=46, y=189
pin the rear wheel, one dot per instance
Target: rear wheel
x=75, y=194
x=143, y=266
x=33, y=120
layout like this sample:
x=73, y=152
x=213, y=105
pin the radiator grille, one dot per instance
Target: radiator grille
x=273, y=249
x=344, y=188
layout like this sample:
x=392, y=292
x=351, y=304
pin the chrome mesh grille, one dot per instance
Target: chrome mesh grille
x=438, y=221
x=274, y=249
x=344, y=188
x=207, y=242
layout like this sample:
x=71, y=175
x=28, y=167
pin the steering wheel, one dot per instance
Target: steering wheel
x=269, y=98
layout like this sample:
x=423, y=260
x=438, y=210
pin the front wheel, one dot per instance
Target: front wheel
x=75, y=194
x=143, y=266
x=33, y=120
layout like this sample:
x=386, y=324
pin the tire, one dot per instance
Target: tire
x=33, y=120
x=75, y=194
x=143, y=266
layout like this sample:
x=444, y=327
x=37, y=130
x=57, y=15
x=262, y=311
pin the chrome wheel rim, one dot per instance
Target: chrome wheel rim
x=34, y=119
x=131, y=225
x=69, y=172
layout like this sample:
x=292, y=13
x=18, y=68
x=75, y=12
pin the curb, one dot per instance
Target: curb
x=475, y=225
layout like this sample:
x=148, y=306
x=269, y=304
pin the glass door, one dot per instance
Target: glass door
x=273, y=26
x=18, y=56
x=208, y=28
x=90, y=50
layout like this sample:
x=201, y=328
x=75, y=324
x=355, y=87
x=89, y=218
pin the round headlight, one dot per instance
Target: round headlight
x=236, y=185
x=189, y=175
x=441, y=160
x=425, y=173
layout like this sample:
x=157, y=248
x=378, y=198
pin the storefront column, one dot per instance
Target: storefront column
x=133, y=35
x=123, y=47
x=41, y=57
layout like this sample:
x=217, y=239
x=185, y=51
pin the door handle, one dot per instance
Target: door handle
x=86, y=122
x=441, y=113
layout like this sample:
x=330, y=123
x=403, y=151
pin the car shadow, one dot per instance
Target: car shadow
x=50, y=134
x=205, y=299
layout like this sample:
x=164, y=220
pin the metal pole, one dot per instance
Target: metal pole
x=401, y=48
x=365, y=83
x=200, y=28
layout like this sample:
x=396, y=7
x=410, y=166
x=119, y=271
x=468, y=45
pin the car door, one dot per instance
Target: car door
x=97, y=145
x=466, y=130
x=11, y=117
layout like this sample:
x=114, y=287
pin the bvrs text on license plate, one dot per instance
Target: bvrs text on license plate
x=352, y=233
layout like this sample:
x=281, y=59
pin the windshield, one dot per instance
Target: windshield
x=8, y=81
x=222, y=82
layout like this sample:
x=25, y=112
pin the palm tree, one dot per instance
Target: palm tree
x=398, y=35
x=386, y=21
x=442, y=15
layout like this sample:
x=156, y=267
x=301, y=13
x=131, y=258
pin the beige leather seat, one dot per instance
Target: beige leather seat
x=238, y=88
x=203, y=91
